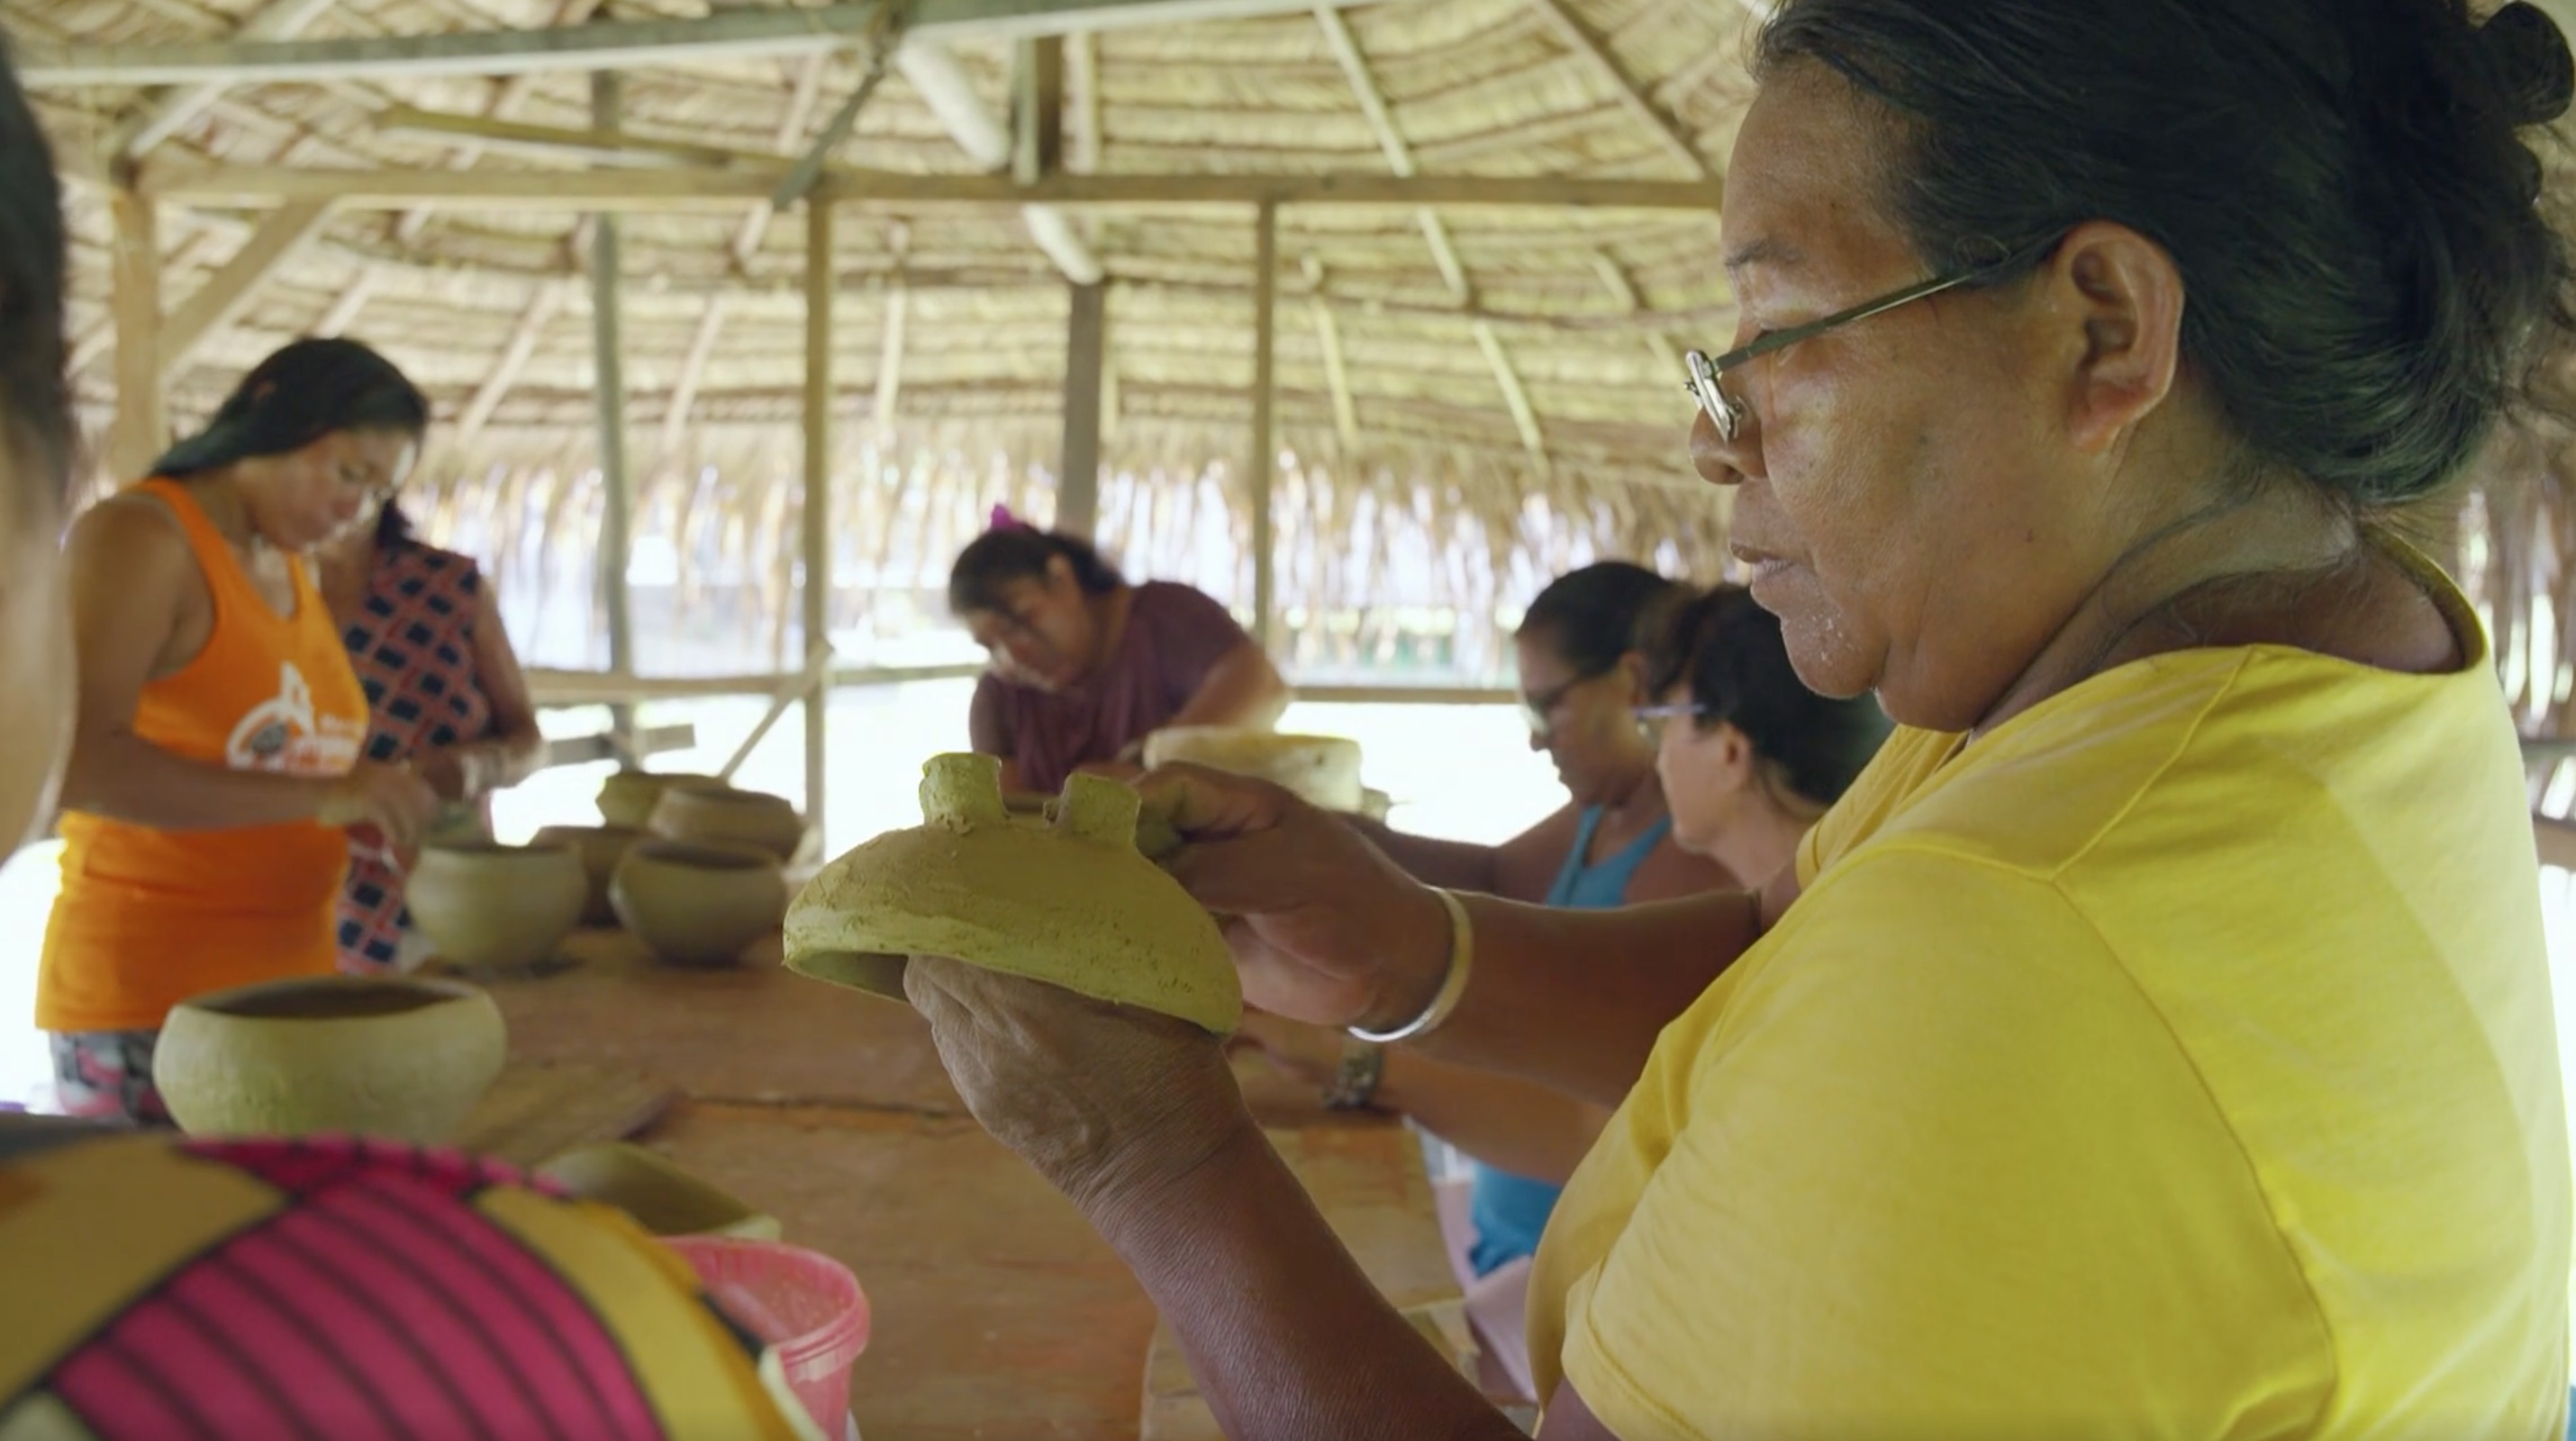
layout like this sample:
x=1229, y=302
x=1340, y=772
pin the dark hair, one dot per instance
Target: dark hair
x=1591, y=616
x=2341, y=183
x=1731, y=653
x=35, y=395
x=303, y=392
x=393, y=525
x=1021, y=552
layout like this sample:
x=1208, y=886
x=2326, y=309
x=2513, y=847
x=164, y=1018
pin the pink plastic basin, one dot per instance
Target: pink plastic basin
x=808, y=1307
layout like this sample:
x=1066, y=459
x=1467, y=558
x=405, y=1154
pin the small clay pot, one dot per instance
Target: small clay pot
x=696, y=903
x=492, y=906
x=724, y=815
x=394, y=1056
x=600, y=849
x=628, y=797
x=662, y=1198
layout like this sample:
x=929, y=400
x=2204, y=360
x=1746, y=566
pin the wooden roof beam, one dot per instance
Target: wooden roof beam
x=641, y=190
x=514, y=358
x=229, y=291
x=1399, y=154
x=1328, y=337
x=1595, y=52
x=507, y=96
x=1624, y=291
x=791, y=133
x=163, y=115
x=1515, y=395
x=693, y=371
x=617, y=45
x=942, y=84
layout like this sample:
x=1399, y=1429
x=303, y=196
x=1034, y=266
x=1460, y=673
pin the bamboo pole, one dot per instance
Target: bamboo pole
x=229, y=291
x=1077, y=506
x=1265, y=447
x=817, y=590
x=141, y=426
x=606, y=97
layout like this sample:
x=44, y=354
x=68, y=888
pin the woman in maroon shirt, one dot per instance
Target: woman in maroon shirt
x=1085, y=665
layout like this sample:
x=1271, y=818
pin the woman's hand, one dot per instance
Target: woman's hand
x=1323, y=926
x=1295, y=1049
x=388, y=797
x=1109, y=1103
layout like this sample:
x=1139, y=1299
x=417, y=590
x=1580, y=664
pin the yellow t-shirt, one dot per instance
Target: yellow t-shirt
x=2177, y=1060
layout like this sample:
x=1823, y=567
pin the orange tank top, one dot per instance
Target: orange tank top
x=148, y=918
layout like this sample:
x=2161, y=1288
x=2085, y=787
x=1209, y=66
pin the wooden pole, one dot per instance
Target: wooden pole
x=1077, y=506
x=616, y=526
x=1265, y=448
x=141, y=426
x=817, y=589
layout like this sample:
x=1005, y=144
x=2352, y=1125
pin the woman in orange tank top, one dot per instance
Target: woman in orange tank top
x=215, y=764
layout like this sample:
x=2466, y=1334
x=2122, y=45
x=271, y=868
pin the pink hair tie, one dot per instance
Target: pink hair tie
x=1002, y=519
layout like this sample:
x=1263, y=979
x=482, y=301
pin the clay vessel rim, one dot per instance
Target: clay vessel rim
x=576, y=832
x=731, y=796
x=538, y=849
x=240, y=1004
x=704, y=855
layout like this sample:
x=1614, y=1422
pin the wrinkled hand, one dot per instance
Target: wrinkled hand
x=390, y=798
x=1323, y=926
x=1295, y=1049
x=1109, y=1103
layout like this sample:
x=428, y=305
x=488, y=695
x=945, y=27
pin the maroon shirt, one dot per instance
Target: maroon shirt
x=1174, y=637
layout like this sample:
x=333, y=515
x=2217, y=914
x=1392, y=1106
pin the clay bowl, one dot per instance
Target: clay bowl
x=726, y=816
x=695, y=903
x=495, y=907
x=628, y=797
x=662, y=1198
x=392, y=1056
x=600, y=849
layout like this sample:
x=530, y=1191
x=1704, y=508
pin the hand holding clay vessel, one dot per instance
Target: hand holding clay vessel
x=1066, y=899
x=1322, y=771
x=600, y=849
x=496, y=907
x=724, y=815
x=399, y=1057
x=698, y=904
x=628, y=797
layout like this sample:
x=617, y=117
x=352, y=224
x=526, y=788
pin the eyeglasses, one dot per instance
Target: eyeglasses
x=1728, y=414
x=1539, y=708
x=1650, y=718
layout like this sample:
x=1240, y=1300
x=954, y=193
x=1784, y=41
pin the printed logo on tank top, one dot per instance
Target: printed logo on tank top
x=282, y=734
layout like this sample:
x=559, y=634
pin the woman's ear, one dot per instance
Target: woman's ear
x=1632, y=674
x=1059, y=574
x=2122, y=296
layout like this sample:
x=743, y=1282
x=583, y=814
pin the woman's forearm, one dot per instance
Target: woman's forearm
x=1574, y=1000
x=1288, y=1340
x=1506, y=1121
x=124, y=777
x=1452, y=865
x=1242, y=689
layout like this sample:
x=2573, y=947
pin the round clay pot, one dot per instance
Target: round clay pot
x=600, y=849
x=696, y=903
x=724, y=815
x=493, y=906
x=392, y=1056
x=628, y=797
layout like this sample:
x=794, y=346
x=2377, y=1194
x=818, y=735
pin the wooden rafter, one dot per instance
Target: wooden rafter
x=163, y=115
x=514, y=358
x=1328, y=337
x=693, y=370
x=1086, y=148
x=890, y=346
x=942, y=85
x=791, y=134
x=221, y=300
x=506, y=98
x=732, y=34
x=1595, y=51
x=344, y=310
x=1515, y=395
x=1399, y=154
x=641, y=190
x=1624, y=291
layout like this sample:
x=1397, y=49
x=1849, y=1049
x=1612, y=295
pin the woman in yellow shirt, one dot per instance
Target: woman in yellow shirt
x=2157, y=1040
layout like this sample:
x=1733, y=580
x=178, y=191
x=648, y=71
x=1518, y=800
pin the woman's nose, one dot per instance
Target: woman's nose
x=1721, y=461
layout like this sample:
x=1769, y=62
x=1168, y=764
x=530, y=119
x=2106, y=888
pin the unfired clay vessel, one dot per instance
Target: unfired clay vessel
x=724, y=814
x=600, y=849
x=697, y=903
x=1322, y=770
x=394, y=1056
x=1066, y=899
x=628, y=797
x=662, y=1198
x=490, y=906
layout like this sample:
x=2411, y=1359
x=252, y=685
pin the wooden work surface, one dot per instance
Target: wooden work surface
x=997, y=1313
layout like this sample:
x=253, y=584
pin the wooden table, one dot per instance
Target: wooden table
x=998, y=1314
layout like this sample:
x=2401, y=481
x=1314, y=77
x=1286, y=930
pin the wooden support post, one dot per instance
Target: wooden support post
x=1077, y=505
x=817, y=590
x=607, y=345
x=1265, y=445
x=1037, y=108
x=141, y=426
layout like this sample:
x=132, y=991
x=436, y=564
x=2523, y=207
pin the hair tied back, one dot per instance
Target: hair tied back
x=2530, y=59
x=1002, y=519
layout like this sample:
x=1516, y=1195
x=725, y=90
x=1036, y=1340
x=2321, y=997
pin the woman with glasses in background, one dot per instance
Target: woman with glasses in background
x=217, y=760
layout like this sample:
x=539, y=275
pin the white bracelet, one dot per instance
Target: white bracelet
x=1453, y=986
